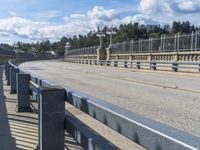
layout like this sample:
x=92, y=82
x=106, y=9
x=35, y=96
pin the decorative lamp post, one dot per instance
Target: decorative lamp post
x=33, y=50
x=67, y=46
x=111, y=32
x=15, y=46
x=100, y=34
x=100, y=50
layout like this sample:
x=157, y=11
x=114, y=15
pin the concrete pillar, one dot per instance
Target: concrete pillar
x=108, y=63
x=138, y=65
x=13, y=75
x=101, y=54
x=108, y=53
x=52, y=116
x=150, y=57
x=176, y=56
x=175, y=67
x=6, y=70
x=153, y=65
x=199, y=67
x=117, y=57
x=125, y=64
x=115, y=63
x=23, y=95
x=130, y=59
x=95, y=62
x=8, y=75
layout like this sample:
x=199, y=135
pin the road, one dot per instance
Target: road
x=170, y=98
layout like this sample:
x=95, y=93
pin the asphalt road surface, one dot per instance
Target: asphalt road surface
x=170, y=98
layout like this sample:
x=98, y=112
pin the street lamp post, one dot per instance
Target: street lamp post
x=15, y=46
x=100, y=50
x=111, y=32
x=33, y=50
x=100, y=34
x=67, y=46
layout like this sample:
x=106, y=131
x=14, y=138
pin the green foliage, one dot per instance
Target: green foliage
x=125, y=32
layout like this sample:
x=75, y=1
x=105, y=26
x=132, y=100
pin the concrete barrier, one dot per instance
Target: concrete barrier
x=51, y=118
x=23, y=92
x=13, y=73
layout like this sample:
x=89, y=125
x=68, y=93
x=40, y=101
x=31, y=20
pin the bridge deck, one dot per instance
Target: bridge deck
x=170, y=98
x=19, y=130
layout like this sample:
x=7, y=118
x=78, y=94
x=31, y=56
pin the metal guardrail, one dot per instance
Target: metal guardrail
x=176, y=43
x=83, y=51
x=144, y=131
x=175, y=65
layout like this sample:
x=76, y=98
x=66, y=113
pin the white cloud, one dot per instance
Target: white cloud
x=140, y=18
x=155, y=6
x=169, y=6
x=149, y=12
x=12, y=13
x=167, y=11
x=47, y=15
x=100, y=13
x=189, y=6
x=77, y=16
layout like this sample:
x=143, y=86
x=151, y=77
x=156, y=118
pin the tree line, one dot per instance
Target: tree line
x=125, y=32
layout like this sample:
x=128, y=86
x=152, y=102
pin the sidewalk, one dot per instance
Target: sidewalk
x=19, y=131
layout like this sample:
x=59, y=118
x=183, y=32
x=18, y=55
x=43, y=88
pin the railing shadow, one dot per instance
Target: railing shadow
x=6, y=139
x=17, y=130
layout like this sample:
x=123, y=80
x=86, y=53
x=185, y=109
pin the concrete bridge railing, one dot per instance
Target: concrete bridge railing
x=153, y=65
x=173, y=48
x=167, y=56
x=54, y=119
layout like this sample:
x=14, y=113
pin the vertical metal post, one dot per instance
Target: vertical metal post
x=196, y=36
x=100, y=46
x=175, y=42
x=110, y=46
x=91, y=145
x=139, y=45
x=23, y=95
x=192, y=40
x=13, y=74
x=6, y=70
x=149, y=45
x=178, y=42
x=52, y=116
x=8, y=74
x=131, y=46
x=161, y=43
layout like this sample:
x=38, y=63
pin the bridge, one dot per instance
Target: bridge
x=178, y=52
x=85, y=104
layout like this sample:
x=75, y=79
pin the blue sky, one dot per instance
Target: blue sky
x=37, y=20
